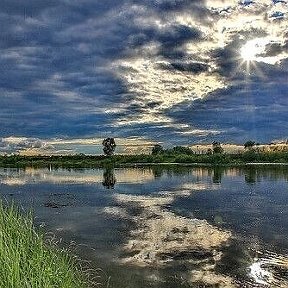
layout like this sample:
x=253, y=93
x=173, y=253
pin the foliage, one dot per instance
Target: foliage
x=109, y=146
x=184, y=159
x=177, y=150
x=165, y=156
x=249, y=144
x=157, y=149
x=26, y=261
x=217, y=148
x=209, y=151
x=250, y=156
x=182, y=150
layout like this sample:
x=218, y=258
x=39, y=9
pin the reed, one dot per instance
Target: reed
x=27, y=261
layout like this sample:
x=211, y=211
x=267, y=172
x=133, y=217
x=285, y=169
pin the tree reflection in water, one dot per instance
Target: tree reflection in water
x=217, y=175
x=109, y=178
x=250, y=175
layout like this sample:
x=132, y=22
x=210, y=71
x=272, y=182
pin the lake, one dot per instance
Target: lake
x=164, y=226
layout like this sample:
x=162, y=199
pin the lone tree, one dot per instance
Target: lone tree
x=217, y=149
x=109, y=146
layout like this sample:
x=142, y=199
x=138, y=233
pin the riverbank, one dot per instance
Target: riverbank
x=88, y=161
x=27, y=261
x=129, y=165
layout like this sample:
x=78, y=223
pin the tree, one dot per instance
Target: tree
x=109, y=146
x=217, y=149
x=157, y=149
x=209, y=151
x=182, y=150
x=249, y=144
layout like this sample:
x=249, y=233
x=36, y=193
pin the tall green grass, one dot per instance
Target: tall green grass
x=27, y=261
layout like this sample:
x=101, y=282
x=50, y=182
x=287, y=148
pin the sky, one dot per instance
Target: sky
x=176, y=72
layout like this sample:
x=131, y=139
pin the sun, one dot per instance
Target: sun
x=253, y=49
x=252, y=53
x=248, y=52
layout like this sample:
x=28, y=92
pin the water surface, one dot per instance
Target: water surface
x=165, y=227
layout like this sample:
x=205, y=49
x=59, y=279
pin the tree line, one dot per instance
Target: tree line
x=159, y=149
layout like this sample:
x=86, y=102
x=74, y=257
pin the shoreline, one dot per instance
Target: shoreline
x=248, y=159
x=142, y=165
x=203, y=164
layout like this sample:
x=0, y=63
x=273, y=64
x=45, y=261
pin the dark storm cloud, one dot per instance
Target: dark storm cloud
x=43, y=71
x=246, y=2
x=172, y=39
x=227, y=58
x=59, y=77
x=55, y=54
x=274, y=49
x=175, y=5
x=176, y=35
x=256, y=111
x=277, y=15
x=169, y=8
x=192, y=67
x=26, y=8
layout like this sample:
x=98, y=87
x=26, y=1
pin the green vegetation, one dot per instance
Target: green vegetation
x=157, y=149
x=174, y=155
x=26, y=261
x=109, y=146
x=249, y=144
x=217, y=148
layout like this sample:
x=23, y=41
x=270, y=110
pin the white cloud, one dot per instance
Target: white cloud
x=35, y=146
x=150, y=84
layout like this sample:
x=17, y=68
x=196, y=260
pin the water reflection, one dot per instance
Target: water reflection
x=250, y=176
x=18, y=177
x=173, y=227
x=217, y=174
x=157, y=171
x=109, y=178
x=161, y=238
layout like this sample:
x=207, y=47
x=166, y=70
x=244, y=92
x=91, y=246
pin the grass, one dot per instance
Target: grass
x=27, y=261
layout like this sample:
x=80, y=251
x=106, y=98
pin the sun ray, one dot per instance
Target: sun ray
x=250, y=54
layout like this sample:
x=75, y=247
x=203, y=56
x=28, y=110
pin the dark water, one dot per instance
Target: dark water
x=172, y=227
